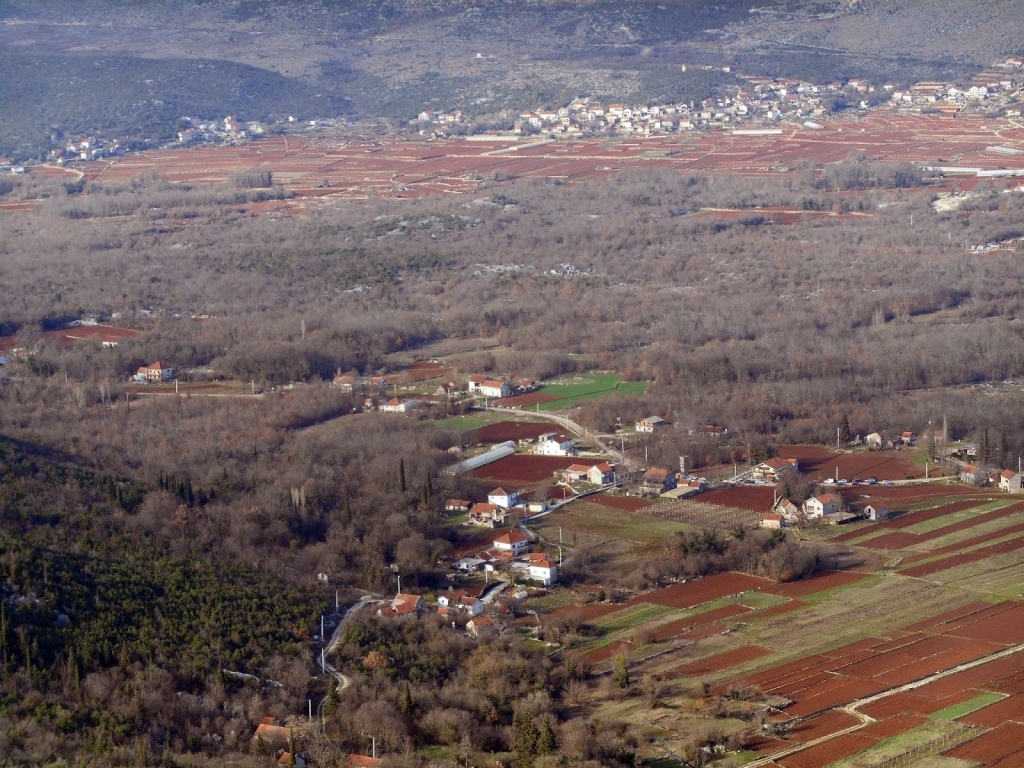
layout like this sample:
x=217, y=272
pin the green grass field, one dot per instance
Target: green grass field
x=971, y=705
x=574, y=389
x=467, y=422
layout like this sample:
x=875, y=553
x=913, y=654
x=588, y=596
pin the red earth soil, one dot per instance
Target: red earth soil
x=1006, y=628
x=500, y=431
x=900, y=539
x=1010, y=530
x=66, y=337
x=756, y=498
x=816, y=583
x=893, y=726
x=820, y=463
x=1007, y=710
x=904, y=494
x=913, y=703
x=705, y=590
x=829, y=752
x=528, y=468
x=608, y=652
x=674, y=628
x=953, y=561
x=718, y=662
x=905, y=521
x=825, y=696
x=823, y=725
x=1005, y=743
x=625, y=503
x=766, y=745
x=935, y=623
x=518, y=401
x=423, y=371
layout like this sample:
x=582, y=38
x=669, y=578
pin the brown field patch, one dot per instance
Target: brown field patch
x=719, y=661
x=819, y=582
x=1007, y=710
x=1010, y=530
x=829, y=752
x=527, y=468
x=756, y=498
x=502, y=431
x=1002, y=746
x=974, y=556
x=892, y=726
x=519, y=401
x=609, y=652
x=777, y=610
x=824, y=724
x=909, y=519
x=672, y=629
x=820, y=463
x=694, y=593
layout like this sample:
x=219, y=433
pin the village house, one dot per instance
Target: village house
x=512, y=544
x=969, y=473
x=908, y=438
x=878, y=440
x=574, y=473
x=821, y=506
x=601, y=474
x=554, y=444
x=789, y=511
x=273, y=737
x=542, y=569
x=650, y=424
x=488, y=387
x=459, y=601
x=404, y=605
x=772, y=521
x=344, y=382
x=479, y=624
x=154, y=372
x=398, y=405
x=1010, y=481
x=457, y=505
x=487, y=516
x=772, y=469
x=876, y=512
x=658, y=480
x=503, y=498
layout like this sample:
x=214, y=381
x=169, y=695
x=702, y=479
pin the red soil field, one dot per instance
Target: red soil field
x=518, y=401
x=823, y=725
x=608, y=652
x=718, y=662
x=905, y=494
x=901, y=539
x=424, y=370
x=1005, y=743
x=819, y=463
x=829, y=752
x=1006, y=628
x=893, y=726
x=968, y=543
x=527, y=468
x=66, y=337
x=905, y=521
x=625, y=503
x=953, y=561
x=753, y=497
x=766, y=745
x=1007, y=710
x=501, y=431
x=817, y=583
x=674, y=628
x=705, y=590
x=826, y=696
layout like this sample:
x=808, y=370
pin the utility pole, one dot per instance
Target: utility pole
x=399, y=583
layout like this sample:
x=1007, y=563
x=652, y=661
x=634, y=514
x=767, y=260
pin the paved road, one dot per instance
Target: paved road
x=577, y=429
x=343, y=680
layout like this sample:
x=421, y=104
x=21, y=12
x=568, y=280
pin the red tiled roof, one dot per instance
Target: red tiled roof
x=510, y=538
x=363, y=761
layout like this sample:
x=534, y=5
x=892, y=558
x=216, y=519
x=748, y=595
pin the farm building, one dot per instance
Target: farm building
x=650, y=424
x=772, y=469
x=824, y=505
x=876, y=512
x=1010, y=481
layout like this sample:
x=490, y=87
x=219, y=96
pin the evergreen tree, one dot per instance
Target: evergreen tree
x=621, y=674
x=524, y=738
x=406, y=705
x=401, y=474
x=546, y=743
x=844, y=431
x=331, y=704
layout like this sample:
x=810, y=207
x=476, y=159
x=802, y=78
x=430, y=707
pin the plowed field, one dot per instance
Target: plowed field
x=527, y=468
x=1003, y=746
x=625, y=503
x=817, y=583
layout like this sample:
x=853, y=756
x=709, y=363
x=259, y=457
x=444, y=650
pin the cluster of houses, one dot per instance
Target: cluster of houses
x=822, y=508
x=1007, y=480
x=758, y=100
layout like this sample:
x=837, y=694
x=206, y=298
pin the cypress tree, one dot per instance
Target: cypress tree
x=524, y=738
x=401, y=474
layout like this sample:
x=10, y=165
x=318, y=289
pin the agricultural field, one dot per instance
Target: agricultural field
x=527, y=468
x=820, y=463
x=566, y=392
x=347, y=167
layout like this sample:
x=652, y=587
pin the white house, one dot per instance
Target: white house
x=155, y=372
x=789, y=511
x=489, y=387
x=876, y=512
x=502, y=498
x=601, y=474
x=542, y=569
x=772, y=469
x=479, y=624
x=650, y=424
x=1011, y=481
x=969, y=473
x=553, y=444
x=773, y=521
x=821, y=506
x=397, y=405
x=878, y=439
x=513, y=543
